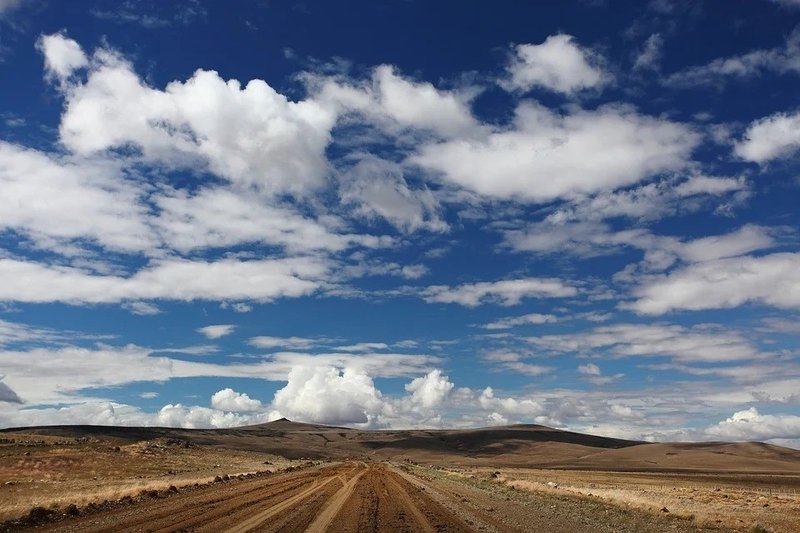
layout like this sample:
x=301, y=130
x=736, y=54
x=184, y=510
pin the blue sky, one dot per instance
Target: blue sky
x=402, y=214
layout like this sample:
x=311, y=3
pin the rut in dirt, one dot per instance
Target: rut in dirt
x=358, y=496
x=353, y=496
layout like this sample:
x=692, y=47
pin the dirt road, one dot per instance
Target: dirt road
x=361, y=496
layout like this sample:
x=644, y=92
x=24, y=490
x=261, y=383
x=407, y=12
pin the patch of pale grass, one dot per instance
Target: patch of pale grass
x=706, y=507
x=85, y=495
x=54, y=475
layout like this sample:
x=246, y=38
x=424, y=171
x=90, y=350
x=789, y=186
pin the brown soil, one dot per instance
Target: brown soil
x=364, y=496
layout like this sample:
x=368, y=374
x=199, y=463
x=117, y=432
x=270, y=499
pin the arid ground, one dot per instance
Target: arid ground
x=285, y=476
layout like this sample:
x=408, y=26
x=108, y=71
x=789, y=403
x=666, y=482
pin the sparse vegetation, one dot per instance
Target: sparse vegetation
x=46, y=475
x=696, y=498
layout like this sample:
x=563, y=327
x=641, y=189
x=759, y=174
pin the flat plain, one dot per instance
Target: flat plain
x=286, y=476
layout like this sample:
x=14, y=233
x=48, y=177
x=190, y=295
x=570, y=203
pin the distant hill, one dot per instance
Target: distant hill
x=514, y=445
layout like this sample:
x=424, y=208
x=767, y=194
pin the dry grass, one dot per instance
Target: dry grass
x=737, y=501
x=53, y=473
x=10, y=509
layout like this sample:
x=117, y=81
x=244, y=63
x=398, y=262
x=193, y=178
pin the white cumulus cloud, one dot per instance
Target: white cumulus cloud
x=546, y=155
x=750, y=425
x=558, y=64
x=251, y=134
x=237, y=402
x=396, y=104
x=328, y=395
x=430, y=391
x=62, y=55
x=770, y=138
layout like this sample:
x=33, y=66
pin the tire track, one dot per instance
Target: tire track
x=194, y=508
x=303, y=505
x=469, y=510
x=428, y=513
x=382, y=501
x=422, y=522
x=231, y=506
x=172, y=519
x=335, y=505
x=259, y=518
x=362, y=497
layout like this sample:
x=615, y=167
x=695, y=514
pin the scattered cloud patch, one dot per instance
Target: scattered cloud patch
x=377, y=188
x=504, y=292
x=594, y=375
x=770, y=138
x=779, y=60
x=771, y=280
x=149, y=16
x=363, y=347
x=141, y=308
x=237, y=307
x=217, y=330
x=649, y=57
x=589, y=369
x=530, y=318
x=6, y=6
x=558, y=64
x=226, y=279
x=509, y=407
x=294, y=343
x=514, y=361
x=660, y=252
x=713, y=185
x=704, y=343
